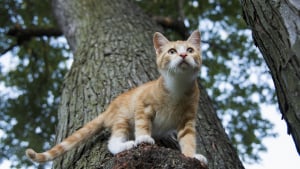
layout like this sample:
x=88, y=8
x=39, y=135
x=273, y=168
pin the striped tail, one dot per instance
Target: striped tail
x=70, y=142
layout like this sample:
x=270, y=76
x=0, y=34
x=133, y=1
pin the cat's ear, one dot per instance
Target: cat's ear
x=159, y=40
x=195, y=39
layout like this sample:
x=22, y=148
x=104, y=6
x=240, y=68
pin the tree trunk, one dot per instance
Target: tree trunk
x=276, y=32
x=113, y=52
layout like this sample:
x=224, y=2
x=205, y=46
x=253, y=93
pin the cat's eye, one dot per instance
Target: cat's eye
x=190, y=50
x=172, y=51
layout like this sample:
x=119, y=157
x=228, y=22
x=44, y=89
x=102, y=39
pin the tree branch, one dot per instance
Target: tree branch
x=176, y=25
x=151, y=156
x=181, y=9
x=8, y=49
x=23, y=35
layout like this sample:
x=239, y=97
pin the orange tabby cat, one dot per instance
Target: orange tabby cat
x=153, y=109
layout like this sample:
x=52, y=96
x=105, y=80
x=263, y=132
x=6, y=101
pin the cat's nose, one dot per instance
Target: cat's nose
x=183, y=55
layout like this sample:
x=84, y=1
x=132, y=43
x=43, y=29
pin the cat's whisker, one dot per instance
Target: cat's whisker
x=168, y=72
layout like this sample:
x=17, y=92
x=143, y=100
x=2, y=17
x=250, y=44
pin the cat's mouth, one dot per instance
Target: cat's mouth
x=183, y=64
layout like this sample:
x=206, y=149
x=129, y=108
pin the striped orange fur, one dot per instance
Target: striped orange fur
x=152, y=109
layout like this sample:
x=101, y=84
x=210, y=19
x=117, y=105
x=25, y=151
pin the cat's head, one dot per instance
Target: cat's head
x=178, y=57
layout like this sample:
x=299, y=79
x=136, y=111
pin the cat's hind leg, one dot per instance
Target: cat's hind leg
x=118, y=141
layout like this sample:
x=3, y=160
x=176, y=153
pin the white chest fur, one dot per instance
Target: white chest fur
x=167, y=119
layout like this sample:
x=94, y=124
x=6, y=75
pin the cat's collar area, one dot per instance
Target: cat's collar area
x=178, y=85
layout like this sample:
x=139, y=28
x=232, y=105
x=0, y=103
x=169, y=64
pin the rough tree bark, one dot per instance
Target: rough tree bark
x=276, y=32
x=113, y=52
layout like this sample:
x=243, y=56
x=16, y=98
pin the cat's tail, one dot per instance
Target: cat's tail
x=70, y=142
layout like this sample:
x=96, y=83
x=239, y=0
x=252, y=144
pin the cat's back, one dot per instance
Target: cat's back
x=128, y=101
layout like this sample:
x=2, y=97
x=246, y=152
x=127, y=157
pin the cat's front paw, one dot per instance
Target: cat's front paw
x=201, y=158
x=144, y=139
x=117, y=147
